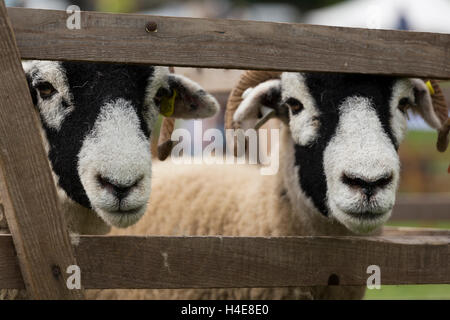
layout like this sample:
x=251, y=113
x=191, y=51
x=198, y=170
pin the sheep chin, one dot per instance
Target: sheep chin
x=120, y=219
x=361, y=225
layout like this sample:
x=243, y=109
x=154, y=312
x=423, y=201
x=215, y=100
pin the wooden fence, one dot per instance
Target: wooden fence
x=38, y=252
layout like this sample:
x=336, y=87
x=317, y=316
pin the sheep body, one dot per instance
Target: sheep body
x=197, y=200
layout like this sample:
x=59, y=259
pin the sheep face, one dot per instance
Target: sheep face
x=346, y=131
x=96, y=123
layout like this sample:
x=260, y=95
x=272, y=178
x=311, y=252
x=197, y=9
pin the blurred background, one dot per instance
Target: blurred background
x=424, y=170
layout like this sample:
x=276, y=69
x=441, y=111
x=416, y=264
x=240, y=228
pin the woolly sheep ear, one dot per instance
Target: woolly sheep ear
x=259, y=105
x=186, y=99
x=444, y=138
x=424, y=103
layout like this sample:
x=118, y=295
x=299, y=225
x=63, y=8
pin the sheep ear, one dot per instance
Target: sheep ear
x=427, y=103
x=259, y=105
x=431, y=105
x=184, y=99
x=187, y=100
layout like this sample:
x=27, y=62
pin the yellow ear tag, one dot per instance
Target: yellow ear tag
x=168, y=105
x=430, y=87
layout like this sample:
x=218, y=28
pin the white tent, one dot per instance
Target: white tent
x=47, y=4
x=418, y=15
x=39, y=4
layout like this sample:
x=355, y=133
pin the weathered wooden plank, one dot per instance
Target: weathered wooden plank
x=203, y=262
x=234, y=44
x=27, y=190
x=411, y=232
x=252, y=262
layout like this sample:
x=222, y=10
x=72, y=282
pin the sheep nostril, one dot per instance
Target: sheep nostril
x=368, y=187
x=352, y=182
x=118, y=190
x=384, y=181
x=368, y=191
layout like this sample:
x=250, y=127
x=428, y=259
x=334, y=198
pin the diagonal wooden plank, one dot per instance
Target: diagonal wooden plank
x=215, y=43
x=29, y=197
x=215, y=262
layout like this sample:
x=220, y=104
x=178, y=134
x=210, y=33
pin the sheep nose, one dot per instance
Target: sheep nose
x=118, y=190
x=366, y=186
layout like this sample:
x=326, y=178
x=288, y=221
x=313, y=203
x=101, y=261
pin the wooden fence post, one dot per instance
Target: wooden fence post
x=29, y=197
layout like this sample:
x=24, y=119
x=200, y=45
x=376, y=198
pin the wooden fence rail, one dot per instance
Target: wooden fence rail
x=27, y=189
x=221, y=262
x=215, y=43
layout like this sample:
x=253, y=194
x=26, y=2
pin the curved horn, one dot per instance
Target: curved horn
x=165, y=144
x=439, y=103
x=248, y=80
x=444, y=137
x=441, y=109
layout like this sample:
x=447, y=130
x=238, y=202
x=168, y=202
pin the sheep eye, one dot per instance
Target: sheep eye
x=46, y=90
x=404, y=104
x=295, y=105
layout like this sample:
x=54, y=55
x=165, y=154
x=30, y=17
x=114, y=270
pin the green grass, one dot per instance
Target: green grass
x=409, y=292
x=412, y=292
x=419, y=138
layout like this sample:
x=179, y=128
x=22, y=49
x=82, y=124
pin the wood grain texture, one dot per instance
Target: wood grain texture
x=210, y=262
x=27, y=190
x=411, y=232
x=235, y=44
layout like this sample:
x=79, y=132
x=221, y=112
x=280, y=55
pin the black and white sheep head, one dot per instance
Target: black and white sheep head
x=346, y=131
x=97, y=120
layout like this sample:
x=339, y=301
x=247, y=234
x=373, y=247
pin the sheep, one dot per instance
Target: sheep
x=96, y=122
x=339, y=171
